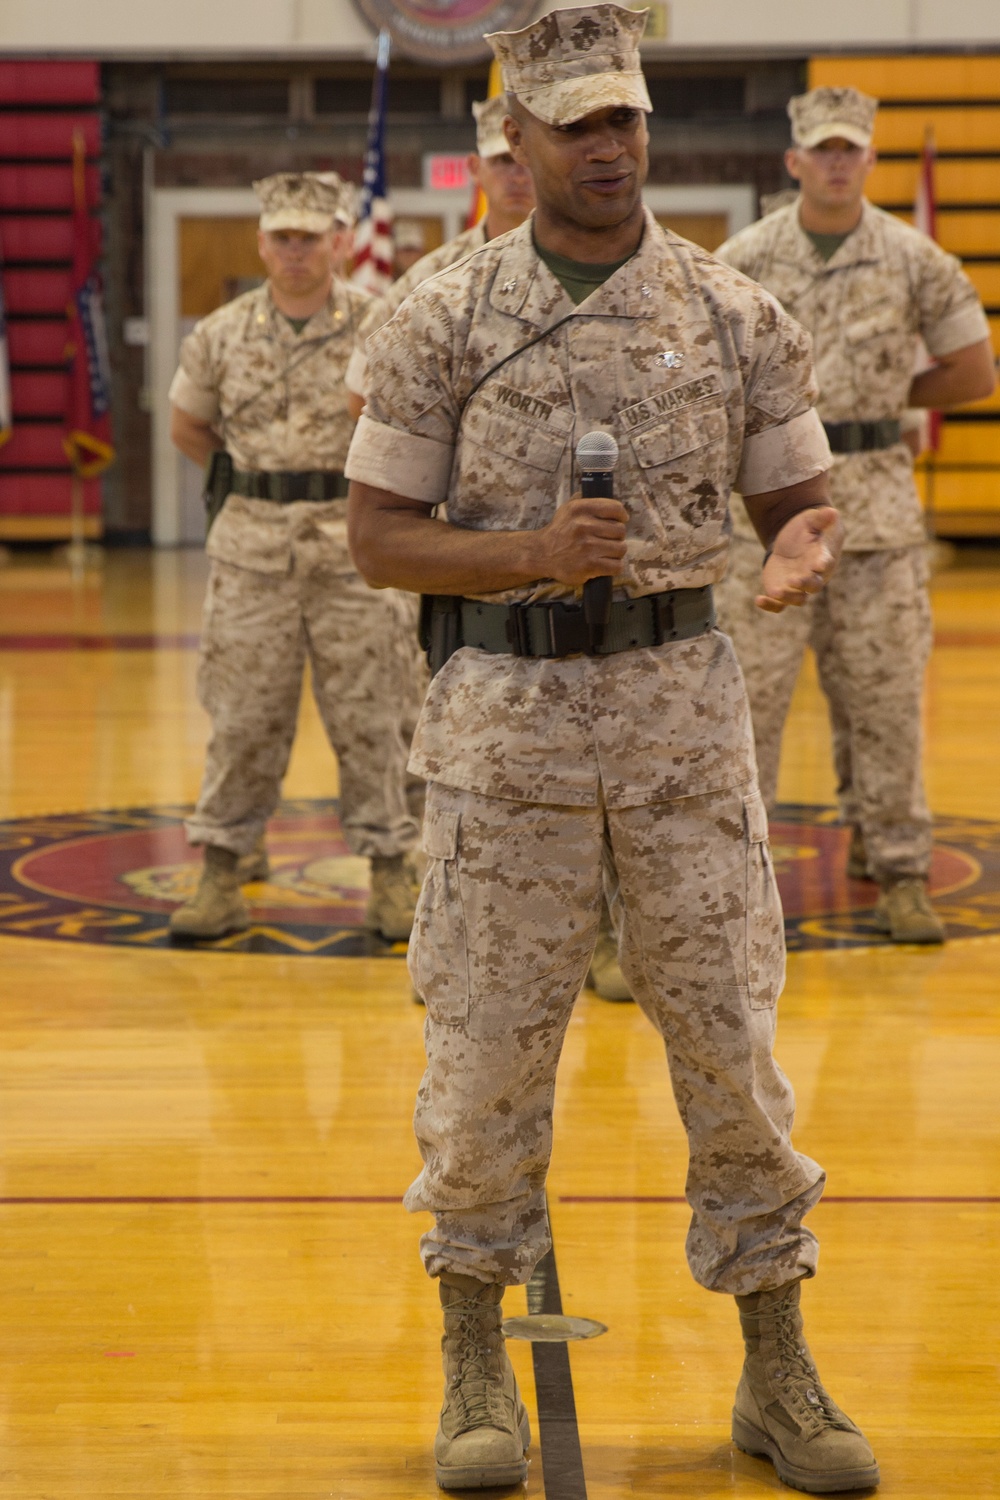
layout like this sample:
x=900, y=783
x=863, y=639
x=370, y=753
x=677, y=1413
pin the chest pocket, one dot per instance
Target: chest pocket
x=540, y=444
x=686, y=431
x=886, y=320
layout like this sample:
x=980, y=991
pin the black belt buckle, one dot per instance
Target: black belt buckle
x=664, y=625
x=567, y=629
x=518, y=633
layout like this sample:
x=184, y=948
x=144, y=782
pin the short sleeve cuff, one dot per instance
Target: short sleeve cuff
x=192, y=398
x=387, y=459
x=795, y=451
x=356, y=378
x=967, y=325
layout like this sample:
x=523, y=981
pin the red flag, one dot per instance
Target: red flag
x=925, y=219
x=88, y=424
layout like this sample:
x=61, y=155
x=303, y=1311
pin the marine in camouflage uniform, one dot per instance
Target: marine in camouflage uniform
x=572, y=764
x=866, y=306
x=282, y=587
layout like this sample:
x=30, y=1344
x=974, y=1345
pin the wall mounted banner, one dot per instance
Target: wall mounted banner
x=445, y=32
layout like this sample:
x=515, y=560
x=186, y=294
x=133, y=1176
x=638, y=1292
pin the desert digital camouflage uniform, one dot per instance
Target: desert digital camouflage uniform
x=547, y=776
x=865, y=308
x=282, y=586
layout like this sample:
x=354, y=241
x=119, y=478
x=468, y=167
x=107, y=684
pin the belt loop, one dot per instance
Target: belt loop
x=663, y=619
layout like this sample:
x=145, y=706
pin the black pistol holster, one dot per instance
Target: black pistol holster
x=440, y=629
x=218, y=484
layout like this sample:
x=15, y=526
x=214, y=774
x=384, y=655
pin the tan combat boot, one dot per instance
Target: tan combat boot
x=255, y=865
x=782, y=1411
x=484, y=1432
x=857, y=856
x=606, y=978
x=217, y=906
x=392, y=900
x=905, y=913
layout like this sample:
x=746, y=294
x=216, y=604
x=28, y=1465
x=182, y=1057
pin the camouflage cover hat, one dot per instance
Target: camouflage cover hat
x=824, y=113
x=574, y=61
x=490, y=139
x=310, y=201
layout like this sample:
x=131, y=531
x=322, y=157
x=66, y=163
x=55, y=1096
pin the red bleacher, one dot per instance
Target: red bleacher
x=37, y=124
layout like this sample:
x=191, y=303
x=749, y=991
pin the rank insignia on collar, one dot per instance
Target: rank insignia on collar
x=670, y=359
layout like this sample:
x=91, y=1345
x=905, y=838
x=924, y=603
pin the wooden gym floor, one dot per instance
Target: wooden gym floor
x=208, y=1287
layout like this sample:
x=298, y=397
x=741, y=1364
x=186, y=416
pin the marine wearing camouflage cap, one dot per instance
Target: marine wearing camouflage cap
x=572, y=62
x=489, y=116
x=825, y=113
x=312, y=202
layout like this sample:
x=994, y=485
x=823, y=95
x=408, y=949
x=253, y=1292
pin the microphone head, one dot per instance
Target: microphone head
x=596, y=452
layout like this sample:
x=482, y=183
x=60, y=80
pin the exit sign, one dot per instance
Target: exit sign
x=445, y=172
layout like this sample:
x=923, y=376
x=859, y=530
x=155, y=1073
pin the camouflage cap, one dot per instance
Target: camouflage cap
x=824, y=113
x=572, y=62
x=490, y=139
x=311, y=201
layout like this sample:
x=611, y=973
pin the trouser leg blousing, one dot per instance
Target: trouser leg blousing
x=483, y=1434
x=782, y=1411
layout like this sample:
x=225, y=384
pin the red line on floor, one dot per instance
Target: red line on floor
x=201, y=1198
x=827, y=1198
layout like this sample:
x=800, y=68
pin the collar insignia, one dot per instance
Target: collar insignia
x=670, y=359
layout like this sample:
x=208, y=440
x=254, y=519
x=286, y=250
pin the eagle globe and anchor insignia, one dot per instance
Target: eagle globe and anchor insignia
x=445, y=31
x=114, y=877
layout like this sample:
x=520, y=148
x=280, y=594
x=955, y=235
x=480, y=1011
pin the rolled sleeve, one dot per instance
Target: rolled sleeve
x=966, y=325
x=192, y=398
x=781, y=456
x=401, y=462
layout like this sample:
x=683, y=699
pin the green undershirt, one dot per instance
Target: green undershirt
x=828, y=244
x=297, y=323
x=578, y=278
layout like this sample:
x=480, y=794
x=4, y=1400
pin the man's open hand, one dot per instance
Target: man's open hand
x=803, y=556
x=585, y=539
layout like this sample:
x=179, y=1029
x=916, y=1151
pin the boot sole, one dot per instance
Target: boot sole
x=189, y=935
x=750, y=1439
x=493, y=1477
x=926, y=937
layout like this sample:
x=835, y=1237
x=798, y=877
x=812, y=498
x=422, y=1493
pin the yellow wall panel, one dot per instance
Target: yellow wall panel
x=986, y=280
x=970, y=443
x=979, y=492
x=910, y=77
x=954, y=181
x=973, y=129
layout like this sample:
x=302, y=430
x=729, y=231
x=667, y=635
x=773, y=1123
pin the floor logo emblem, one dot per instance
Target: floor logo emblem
x=114, y=877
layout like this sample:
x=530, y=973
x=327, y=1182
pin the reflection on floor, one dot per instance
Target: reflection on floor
x=210, y=1289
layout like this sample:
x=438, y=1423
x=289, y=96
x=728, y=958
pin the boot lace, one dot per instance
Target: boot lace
x=796, y=1375
x=477, y=1384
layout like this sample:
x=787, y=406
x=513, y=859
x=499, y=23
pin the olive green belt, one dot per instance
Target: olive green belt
x=284, y=486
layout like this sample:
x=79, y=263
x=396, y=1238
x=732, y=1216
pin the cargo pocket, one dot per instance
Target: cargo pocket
x=765, y=927
x=438, y=957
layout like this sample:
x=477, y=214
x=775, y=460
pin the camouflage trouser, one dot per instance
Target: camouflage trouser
x=257, y=632
x=502, y=942
x=871, y=631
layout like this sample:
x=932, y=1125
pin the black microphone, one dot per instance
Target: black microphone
x=596, y=457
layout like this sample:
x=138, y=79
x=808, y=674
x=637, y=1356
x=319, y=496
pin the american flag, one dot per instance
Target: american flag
x=373, y=249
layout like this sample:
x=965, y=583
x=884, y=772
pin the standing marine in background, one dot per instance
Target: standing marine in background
x=510, y=197
x=866, y=286
x=260, y=393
